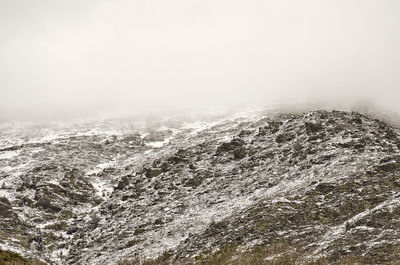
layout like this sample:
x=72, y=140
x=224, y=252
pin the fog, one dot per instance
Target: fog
x=90, y=56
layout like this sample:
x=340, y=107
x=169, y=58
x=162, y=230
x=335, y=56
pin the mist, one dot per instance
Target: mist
x=84, y=57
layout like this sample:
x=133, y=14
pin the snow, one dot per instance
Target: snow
x=143, y=135
x=6, y=169
x=158, y=144
x=8, y=154
x=188, y=210
x=103, y=188
x=335, y=233
x=98, y=168
x=5, y=193
x=199, y=126
x=283, y=199
x=363, y=227
x=50, y=137
x=226, y=139
x=53, y=181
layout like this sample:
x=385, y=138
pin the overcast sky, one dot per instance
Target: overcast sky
x=145, y=54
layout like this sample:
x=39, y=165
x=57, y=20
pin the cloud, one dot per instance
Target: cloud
x=65, y=55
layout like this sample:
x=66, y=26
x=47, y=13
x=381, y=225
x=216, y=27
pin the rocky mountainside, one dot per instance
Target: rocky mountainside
x=326, y=183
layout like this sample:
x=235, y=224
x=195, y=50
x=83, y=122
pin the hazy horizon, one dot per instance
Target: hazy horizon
x=60, y=57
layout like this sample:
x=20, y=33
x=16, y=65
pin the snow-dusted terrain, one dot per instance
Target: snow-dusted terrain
x=94, y=192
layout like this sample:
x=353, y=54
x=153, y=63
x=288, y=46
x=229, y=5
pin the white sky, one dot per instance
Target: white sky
x=80, y=54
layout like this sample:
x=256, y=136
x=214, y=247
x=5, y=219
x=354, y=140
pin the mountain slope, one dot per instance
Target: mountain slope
x=325, y=183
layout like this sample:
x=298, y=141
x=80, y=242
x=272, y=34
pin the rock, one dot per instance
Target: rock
x=232, y=145
x=71, y=230
x=123, y=183
x=359, y=146
x=25, y=201
x=239, y=153
x=284, y=137
x=194, y=182
x=312, y=127
x=388, y=167
x=45, y=204
x=324, y=187
x=5, y=207
x=288, y=198
x=274, y=126
x=245, y=133
x=356, y=120
x=151, y=172
x=179, y=157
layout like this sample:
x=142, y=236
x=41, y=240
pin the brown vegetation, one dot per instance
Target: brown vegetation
x=11, y=258
x=230, y=255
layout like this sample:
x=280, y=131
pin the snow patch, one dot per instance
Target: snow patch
x=5, y=193
x=103, y=188
x=158, y=144
x=8, y=154
x=98, y=168
x=337, y=231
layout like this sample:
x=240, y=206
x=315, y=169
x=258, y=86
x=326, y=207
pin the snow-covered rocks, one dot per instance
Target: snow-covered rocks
x=318, y=180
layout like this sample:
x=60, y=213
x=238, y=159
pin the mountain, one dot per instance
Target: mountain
x=325, y=184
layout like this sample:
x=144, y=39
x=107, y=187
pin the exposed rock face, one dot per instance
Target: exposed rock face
x=5, y=207
x=327, y=183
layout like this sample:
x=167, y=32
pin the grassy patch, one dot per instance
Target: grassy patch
x=8, y=257
x=11, y=258
x=278, y=254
